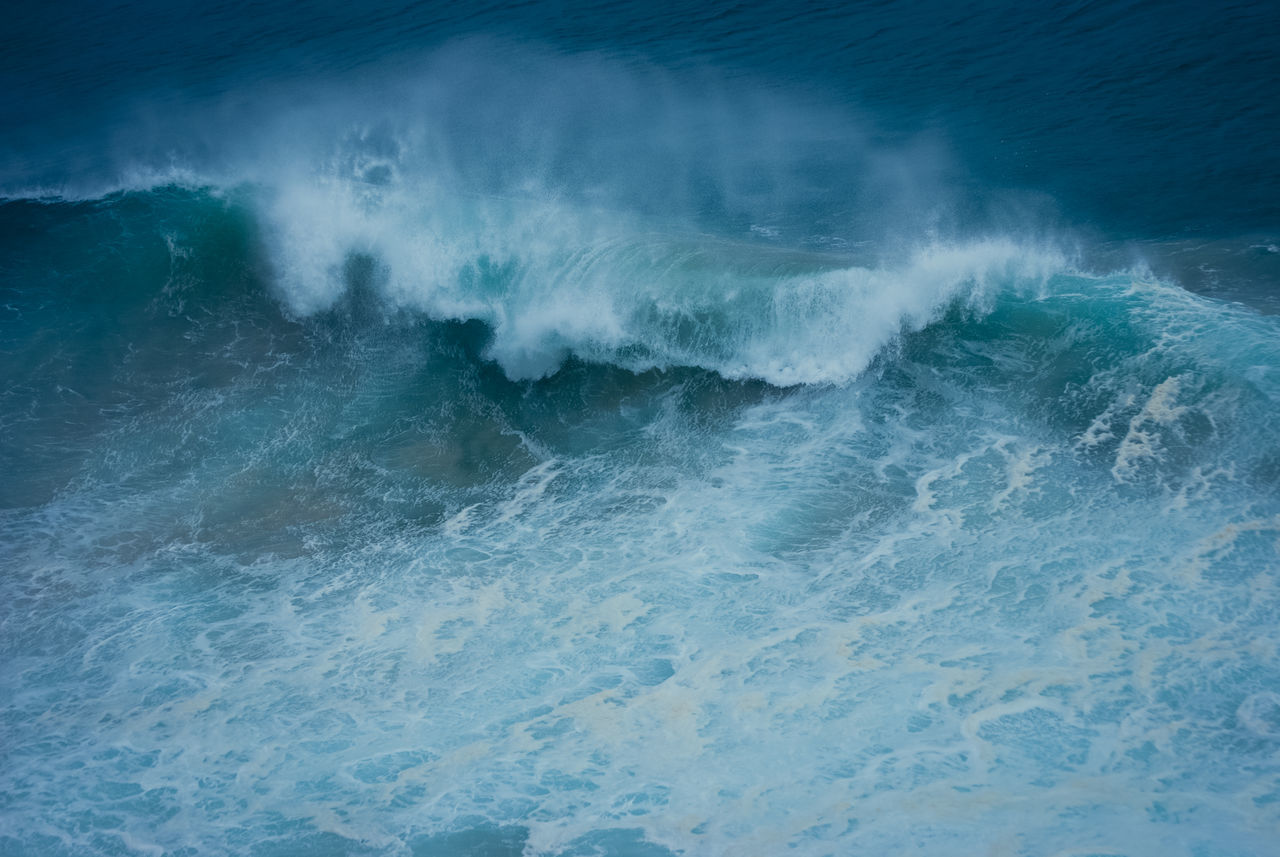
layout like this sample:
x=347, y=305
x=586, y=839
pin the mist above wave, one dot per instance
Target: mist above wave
x=583, y=205
x=595, y=206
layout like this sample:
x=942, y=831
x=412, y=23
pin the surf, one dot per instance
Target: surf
x=565, y=455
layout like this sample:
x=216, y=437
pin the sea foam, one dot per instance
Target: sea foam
x=552, y=280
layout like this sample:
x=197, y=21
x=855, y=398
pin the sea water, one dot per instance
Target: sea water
x=604, y=430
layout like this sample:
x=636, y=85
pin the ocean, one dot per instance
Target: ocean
x=640, y=430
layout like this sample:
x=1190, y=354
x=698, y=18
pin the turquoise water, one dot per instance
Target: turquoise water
x=461, y=444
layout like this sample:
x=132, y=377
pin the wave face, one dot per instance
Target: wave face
x=520, y=452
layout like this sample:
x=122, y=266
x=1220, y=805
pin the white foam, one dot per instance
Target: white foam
x=1260, y=714
x=552, y=279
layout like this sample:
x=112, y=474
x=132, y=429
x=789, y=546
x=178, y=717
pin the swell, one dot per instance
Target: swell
x=139, y=305
x=548, y=280
x=577, y=206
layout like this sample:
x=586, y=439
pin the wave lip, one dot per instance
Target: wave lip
x=826, y=328
x=554, y=280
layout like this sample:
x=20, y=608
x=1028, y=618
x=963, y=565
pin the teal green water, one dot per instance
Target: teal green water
x=344, y=582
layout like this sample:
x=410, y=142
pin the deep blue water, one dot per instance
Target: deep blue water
x=572, y=430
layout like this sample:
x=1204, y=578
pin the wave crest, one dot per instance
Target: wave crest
x=552, y=280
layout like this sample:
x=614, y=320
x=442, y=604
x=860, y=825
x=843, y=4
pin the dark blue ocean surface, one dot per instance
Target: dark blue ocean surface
x=1150, y=119
x=628, y=430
